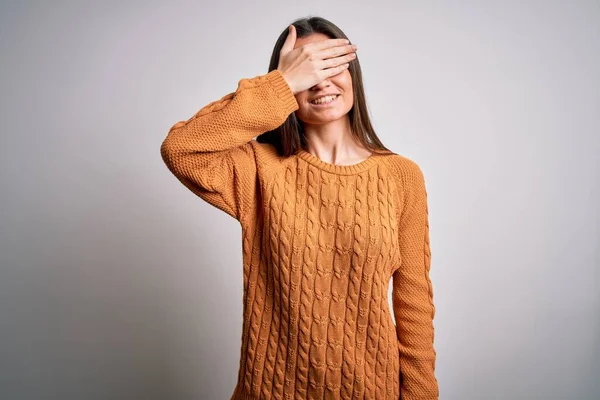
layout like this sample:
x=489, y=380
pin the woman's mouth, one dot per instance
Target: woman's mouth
x=325, y=101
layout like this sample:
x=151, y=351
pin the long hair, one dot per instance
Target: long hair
x=289, y=137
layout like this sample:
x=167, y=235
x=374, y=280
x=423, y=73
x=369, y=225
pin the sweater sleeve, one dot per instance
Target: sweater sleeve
x=211, y=152
x=413, y=305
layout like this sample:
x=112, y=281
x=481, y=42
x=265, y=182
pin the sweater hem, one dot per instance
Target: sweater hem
x=239, y=394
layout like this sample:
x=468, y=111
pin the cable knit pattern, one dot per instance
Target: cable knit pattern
x=321, y=243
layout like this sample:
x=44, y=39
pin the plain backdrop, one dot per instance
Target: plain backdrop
x=118, y=283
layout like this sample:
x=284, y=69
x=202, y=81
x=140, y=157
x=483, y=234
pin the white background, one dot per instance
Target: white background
x=118, y=283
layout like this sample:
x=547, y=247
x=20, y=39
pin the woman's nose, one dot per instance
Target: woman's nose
x=322, y=84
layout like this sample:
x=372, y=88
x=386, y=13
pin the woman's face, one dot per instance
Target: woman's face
x=340, y=84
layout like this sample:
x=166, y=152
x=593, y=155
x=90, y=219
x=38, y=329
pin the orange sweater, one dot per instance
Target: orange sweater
x=321, y=243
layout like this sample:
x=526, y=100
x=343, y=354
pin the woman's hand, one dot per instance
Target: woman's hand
x=310, y=64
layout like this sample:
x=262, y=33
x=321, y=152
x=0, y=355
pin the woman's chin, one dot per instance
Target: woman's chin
x=324, y=116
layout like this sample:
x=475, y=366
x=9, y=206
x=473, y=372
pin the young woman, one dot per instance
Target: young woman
x=329, y=216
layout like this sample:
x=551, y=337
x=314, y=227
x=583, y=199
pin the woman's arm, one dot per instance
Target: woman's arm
x=412, y=290
x=211, y=153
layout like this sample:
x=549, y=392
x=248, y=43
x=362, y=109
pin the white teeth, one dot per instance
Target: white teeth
x=325, y=99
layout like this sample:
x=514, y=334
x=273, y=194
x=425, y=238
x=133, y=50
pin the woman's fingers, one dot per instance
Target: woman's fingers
x=329, y=72
x=309, y=64
x=331, y=62
x=325, y=44
x=290, y=40
x=335, y=51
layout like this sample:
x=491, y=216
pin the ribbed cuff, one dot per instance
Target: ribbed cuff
x=283, y=90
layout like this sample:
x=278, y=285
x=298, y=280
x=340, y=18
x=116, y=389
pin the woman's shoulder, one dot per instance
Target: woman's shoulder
x=401, y=164
x=269, y=163
x=266, y=154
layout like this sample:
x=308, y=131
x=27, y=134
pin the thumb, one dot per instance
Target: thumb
x=290, y=40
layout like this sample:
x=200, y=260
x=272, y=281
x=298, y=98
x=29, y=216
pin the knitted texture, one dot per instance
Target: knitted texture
x=321, y=243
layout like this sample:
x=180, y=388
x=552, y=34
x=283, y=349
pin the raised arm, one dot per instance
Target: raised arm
x=414, y=309
x=211, y=153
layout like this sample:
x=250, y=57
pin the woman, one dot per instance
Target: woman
x=329, y=216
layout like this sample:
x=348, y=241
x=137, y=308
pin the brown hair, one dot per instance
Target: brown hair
x=289, y=137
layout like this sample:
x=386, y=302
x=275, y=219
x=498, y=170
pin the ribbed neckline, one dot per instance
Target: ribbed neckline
x=335, y=168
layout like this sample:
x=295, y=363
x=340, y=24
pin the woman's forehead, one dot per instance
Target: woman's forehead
x=313, y=37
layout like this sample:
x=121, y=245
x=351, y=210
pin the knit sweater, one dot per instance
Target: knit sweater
x=321, y=243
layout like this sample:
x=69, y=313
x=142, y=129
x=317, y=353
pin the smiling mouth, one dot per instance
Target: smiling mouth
x=325, y=100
